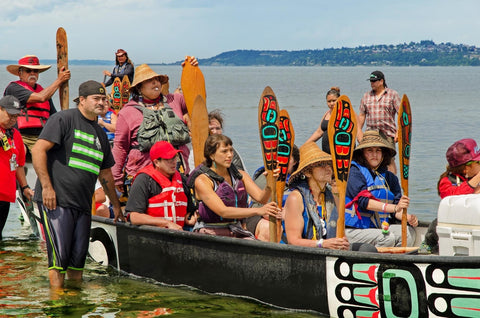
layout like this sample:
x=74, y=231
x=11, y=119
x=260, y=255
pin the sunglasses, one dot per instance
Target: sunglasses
x=374, y=80
x=470, y=162
x=28, y=70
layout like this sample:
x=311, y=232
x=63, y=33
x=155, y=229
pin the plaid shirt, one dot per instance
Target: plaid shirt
x=380, y=111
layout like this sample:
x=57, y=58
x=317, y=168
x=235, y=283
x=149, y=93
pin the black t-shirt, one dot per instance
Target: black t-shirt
x=23, y=94
x=143, y=188
x=80, y=152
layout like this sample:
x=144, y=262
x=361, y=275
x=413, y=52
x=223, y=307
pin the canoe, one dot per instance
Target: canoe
x=333, y=283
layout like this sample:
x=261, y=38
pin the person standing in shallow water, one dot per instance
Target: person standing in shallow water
x=71, y=153
x=12, y=157
x=378, y=108
x=36, y=99
x=322, y=131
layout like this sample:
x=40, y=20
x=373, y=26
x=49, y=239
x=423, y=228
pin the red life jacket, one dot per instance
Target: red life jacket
x=171, y=203
x=37, y=113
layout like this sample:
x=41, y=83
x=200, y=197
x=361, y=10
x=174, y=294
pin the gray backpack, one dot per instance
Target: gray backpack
x=162, y=124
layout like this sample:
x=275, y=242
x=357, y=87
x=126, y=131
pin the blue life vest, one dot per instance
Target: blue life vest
x=378, y=187
x=312, y=216
x=108, y=120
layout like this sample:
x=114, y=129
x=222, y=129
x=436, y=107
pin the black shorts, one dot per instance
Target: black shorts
x=252, y=222
x=67, y=234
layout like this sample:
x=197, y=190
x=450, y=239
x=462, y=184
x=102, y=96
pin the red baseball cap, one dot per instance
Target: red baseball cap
x=463, y=151
x=164, y=150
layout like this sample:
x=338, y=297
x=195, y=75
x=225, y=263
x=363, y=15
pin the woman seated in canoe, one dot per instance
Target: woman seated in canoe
x=322, y=131
x=310, y=203
x=374, y=197
x=461, y=177
x=222, y=192
x=123, y=66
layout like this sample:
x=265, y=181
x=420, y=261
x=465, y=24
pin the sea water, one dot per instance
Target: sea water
x=444, y=102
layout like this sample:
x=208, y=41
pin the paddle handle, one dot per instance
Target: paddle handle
x=341, y=212
x=271, y=183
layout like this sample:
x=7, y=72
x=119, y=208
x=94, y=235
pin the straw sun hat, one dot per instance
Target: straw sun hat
x=373, y=138
x=310, y=153
x=28, y=61
x=144, y=72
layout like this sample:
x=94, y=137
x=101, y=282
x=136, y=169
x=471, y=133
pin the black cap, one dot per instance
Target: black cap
x=376, y=76
x=89, y=88
x=11, y=105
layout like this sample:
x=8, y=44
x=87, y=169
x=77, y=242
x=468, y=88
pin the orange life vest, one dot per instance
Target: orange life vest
x=171, y=203
x=36, y=114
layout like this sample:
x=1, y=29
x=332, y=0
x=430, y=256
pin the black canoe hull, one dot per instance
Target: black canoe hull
x=335, y=283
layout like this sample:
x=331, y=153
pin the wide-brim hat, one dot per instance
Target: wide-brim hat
x=374, y=138
x=144, y=73
x=463, y=151
x=28, y=61
x=310, y=153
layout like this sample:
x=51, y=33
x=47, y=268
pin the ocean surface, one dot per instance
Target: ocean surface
x=444, y=102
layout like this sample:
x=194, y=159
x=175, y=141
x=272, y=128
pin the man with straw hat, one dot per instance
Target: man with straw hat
x=311, y=202
x=374, y=196
x=36, y=100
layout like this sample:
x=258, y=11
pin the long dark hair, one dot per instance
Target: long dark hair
x=211, y=145
x=360, y=158
x=455, y=171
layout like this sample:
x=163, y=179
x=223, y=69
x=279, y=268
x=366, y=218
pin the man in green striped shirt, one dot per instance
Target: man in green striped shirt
x=72, y=152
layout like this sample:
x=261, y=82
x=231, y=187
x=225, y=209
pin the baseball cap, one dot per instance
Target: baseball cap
x=11, y=105
x=376, y=76
x=164, y=150
x=89, y=88
x=463, y=151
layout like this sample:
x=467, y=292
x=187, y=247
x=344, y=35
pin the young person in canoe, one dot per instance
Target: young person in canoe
x=374, y=196
x=462, y=176
x=322, y=131
x=158, y=196
x=222, y=192
x=311, y=202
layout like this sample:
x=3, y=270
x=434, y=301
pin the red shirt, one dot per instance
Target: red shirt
x=8, y=162
x=447, y=188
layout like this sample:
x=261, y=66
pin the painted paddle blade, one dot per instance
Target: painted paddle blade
x=404, y=141
x=268, y=114
x=193, y=84
x=286, y=139
x=200, y=129
x=404, y=146
x=342, y=133
x=62, y=61
x=125, y=90
x=117, y=95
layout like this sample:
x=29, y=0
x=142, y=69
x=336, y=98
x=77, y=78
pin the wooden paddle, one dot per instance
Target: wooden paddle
x=125, y=90
x=268, y=127
x=193, y=84
x=286, y=139
x=342, y=133
x=117, y=95
x=62, y=61
x=200, y=130
x=404, y=146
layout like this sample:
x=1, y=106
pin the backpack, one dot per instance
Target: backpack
x=162, y=124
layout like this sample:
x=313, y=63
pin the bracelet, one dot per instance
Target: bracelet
x=384, y=207
x=25, y=187
x=320, y=243
x=395, y=209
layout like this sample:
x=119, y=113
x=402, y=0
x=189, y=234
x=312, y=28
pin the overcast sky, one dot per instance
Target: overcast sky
x=155, y=31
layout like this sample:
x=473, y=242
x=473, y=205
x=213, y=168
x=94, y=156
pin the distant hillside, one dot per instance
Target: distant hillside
x=424, y=53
